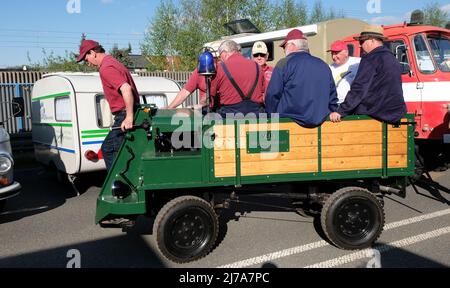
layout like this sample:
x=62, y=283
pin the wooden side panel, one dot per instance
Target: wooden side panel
x=398, y=146
x=351, y=145
x=346, y=146
x=301, y=158
x=224, y=146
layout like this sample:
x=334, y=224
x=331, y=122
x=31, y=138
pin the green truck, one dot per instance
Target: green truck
x=183, y=168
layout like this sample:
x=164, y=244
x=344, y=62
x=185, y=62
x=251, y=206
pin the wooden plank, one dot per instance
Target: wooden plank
x=352, y=126
x=362, y=163
x=361, y=150
x=354, y=138
x=351, y=163
x=279, y=167
x=351, y=138
x=294, y=140
x=294, y=128
x=398, y=161
x=224, y=170
x=297, y=153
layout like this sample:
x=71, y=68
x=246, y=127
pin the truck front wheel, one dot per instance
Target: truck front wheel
x=186, y=229
x=352, y=218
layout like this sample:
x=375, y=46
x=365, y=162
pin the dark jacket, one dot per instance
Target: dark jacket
x=302, y=88
x=377, y=88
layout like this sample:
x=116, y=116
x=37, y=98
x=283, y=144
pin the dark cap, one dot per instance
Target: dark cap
x=292, y=35
x=85, y=47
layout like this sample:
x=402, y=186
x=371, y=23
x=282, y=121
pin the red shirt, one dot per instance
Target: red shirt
x=243, y=72
x=113, y=75
x=195, y=82
x=267, y=75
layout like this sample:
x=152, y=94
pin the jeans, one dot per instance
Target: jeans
x=113, y=141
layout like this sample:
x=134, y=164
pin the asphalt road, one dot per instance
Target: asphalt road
x=43, y=226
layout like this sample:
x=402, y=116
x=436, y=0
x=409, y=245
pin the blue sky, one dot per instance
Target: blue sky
x=28, y=26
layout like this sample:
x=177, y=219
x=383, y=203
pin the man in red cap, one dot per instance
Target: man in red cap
x=120, y=92
x=302, y=86
x=344, y=68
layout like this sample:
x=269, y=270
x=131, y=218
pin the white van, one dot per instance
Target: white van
x=71, y=118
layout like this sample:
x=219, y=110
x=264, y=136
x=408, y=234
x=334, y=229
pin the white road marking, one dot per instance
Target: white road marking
x=382, y=248
x=319, y=244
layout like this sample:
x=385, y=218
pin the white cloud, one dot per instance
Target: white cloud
x=446, y=8
x=385, y=20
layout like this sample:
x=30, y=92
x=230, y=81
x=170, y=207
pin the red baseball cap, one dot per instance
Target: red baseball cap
x=293, y=34
x=338, y=46
x=85, y=47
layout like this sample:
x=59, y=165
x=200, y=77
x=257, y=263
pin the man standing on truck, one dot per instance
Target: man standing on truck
x=377, y=88
x=195, y=82
x=120, y=92
x=239, y=82
x=302, y=86
x=260, y=55
x=344, y=68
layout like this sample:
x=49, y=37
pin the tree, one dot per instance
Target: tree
x=289, y=13
x=57, y=63
x=122, y=55
x=160, y=37
x=434, y=15
x=259, y=13
x=182, y=32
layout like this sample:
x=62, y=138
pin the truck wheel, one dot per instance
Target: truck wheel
x=352, y=218
x=186, y=229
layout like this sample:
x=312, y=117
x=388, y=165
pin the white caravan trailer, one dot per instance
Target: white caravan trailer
x=71, y=118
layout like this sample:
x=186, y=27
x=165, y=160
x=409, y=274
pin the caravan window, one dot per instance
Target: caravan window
x=104, y=116
x=63, y=109
x=160, y=100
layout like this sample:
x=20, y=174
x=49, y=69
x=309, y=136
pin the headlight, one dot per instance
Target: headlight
x=5, y=165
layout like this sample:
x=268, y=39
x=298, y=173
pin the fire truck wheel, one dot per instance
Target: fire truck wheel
x=352, y=218
x=186, y=229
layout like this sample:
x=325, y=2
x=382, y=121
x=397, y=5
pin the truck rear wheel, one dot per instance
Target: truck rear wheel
x=352, y=218
x=186, y=229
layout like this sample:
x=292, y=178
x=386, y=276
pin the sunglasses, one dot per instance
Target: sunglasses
x=259, y=54
x=361, y=42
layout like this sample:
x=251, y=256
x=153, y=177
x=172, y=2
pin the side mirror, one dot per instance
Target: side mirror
x=18, y=107
x=406, y=69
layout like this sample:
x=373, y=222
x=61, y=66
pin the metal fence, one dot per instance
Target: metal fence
x=20, y=84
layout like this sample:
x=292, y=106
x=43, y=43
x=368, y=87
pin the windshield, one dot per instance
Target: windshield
x=440, y=47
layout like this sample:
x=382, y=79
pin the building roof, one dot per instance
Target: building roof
x=138, y=62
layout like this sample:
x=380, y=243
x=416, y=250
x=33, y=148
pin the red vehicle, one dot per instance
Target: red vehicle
x=424, y=53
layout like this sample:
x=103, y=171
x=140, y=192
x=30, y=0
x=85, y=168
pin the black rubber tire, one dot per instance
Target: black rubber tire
x=352, y=218
x=189, y=220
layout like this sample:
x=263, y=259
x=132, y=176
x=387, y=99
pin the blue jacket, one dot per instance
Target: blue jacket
x=302, y=88
x=377, y=88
